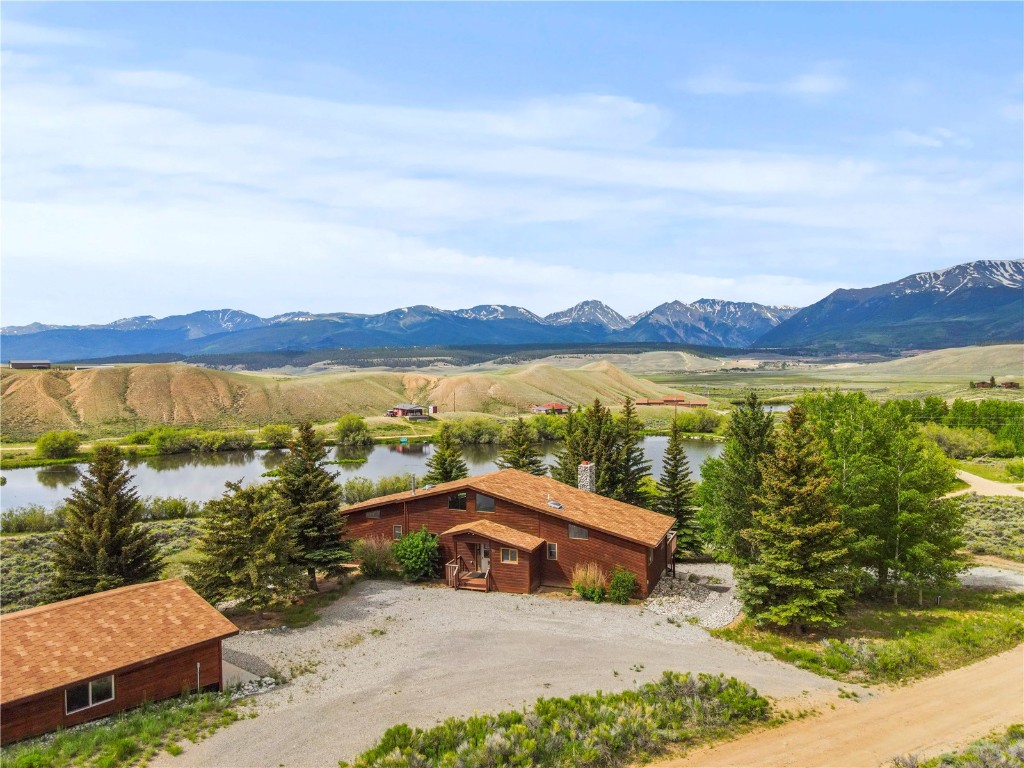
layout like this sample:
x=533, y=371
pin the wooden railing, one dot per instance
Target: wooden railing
x=454, y=570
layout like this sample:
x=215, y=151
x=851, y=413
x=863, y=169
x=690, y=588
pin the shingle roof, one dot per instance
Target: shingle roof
x=500, y=533
x=580, y=507
x=57, y=645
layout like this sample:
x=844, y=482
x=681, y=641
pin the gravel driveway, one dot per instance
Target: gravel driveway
x=390, y=653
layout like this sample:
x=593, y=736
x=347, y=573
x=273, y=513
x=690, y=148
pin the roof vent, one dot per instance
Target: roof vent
x=555, y=504
x=428, y=485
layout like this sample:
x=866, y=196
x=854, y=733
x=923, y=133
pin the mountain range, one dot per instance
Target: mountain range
x=979, y=302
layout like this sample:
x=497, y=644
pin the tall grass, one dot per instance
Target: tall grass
x=884, y=643
x=376, y=555
x=130, y=738
x=604, y=729
x=589, y=581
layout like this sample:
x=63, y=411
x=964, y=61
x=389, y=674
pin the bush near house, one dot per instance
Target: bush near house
x=589, y=582
x=376, y=556
x=622, y=586
x=418, y=555
x=603, y=729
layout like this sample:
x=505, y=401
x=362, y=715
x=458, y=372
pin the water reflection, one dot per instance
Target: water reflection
x=57, y=477
x=202, y=477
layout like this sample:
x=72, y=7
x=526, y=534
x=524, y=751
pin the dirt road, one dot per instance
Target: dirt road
x=983, y=487
x=931, y=717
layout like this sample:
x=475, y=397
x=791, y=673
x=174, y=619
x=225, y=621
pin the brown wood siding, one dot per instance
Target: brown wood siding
x=137, y=685
x=510, y=577
x=432, y=513
x=601, y=548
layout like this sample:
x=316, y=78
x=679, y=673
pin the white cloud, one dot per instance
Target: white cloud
x=148, y=191
x=933, y=138
x=822, y=80
x=20, y=34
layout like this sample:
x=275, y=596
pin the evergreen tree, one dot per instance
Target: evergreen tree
x=799, y=570
x=590, y=435
x=631, y=466
x=314, y=497
x=730, y=482
x=889, y=481
x=247, y=549
x=102, y=545
x=675, y=491
x=519, y=451
x=445, y=463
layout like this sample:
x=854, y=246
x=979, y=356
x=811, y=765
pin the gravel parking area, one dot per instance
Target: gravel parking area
x=390, y=653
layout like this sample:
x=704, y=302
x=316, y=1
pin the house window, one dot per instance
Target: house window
x=484, y=503
x=509, y=555
x=89, y=694
x=552, y=551
x=457, y=501
x=373, y=514
x=396, y=531
x=577, y=532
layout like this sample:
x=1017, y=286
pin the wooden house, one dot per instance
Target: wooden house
x=558, y=409
x=89, y=657
x=511, y=531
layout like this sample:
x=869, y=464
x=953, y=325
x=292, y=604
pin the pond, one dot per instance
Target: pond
x=202, y=477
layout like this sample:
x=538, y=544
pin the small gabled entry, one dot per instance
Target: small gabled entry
x=488, y=556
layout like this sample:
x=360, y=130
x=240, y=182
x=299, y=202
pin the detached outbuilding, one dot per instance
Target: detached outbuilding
x=90, y=657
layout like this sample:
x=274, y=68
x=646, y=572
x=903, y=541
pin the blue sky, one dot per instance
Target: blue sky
x=162, y=158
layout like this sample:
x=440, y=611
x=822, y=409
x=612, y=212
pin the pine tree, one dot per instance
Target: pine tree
x=590, y=435
x=519, y=451
x=800, y=569
x=445, y=463
x=247, y=549
x=314, y=497
x=102, y=545
x=676, y=490
x=632, y=467
x=730, y=482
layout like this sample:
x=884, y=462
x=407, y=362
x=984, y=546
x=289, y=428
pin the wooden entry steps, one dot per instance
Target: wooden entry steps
x=478, y=584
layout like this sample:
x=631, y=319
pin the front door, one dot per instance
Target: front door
x=484, y=559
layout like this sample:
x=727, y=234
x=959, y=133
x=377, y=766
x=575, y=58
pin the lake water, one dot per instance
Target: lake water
x=202, y=477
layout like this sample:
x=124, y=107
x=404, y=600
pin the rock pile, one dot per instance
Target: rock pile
x=253, y=687
x=709, y=599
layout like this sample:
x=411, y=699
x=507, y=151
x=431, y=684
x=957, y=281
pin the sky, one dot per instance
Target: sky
x=161, y=158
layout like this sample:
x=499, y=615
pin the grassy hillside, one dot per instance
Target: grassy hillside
x=111, y=401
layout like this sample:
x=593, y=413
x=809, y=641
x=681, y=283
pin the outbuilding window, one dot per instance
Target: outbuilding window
x=396, y=532
x=578, y=532
x=552, y=551
x=89, y=694
x=373, y=514
x=484, y=503
x=509, y=555
x=457, y=500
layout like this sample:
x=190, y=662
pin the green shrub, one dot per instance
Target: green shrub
x=622, y=586
x=476, y=430
x=277, y=435
x=352, y=430
x=701, y=420
x=170, y=440
x=58, y=444
x=33, y=518
x=547, y=427
x=962, y=443
x=603, y=729
x=994, y=525
x=588, y=581
x=169, y=508
x=376, y=555
x=1015, y=469
x=357, y=489
x=418, y=555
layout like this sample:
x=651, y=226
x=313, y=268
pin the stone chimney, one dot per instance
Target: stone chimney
x=585, y=477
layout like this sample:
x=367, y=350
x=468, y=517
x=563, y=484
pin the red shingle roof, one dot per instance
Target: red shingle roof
x=57, y=645
x=580, y=507
x=498, y=532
